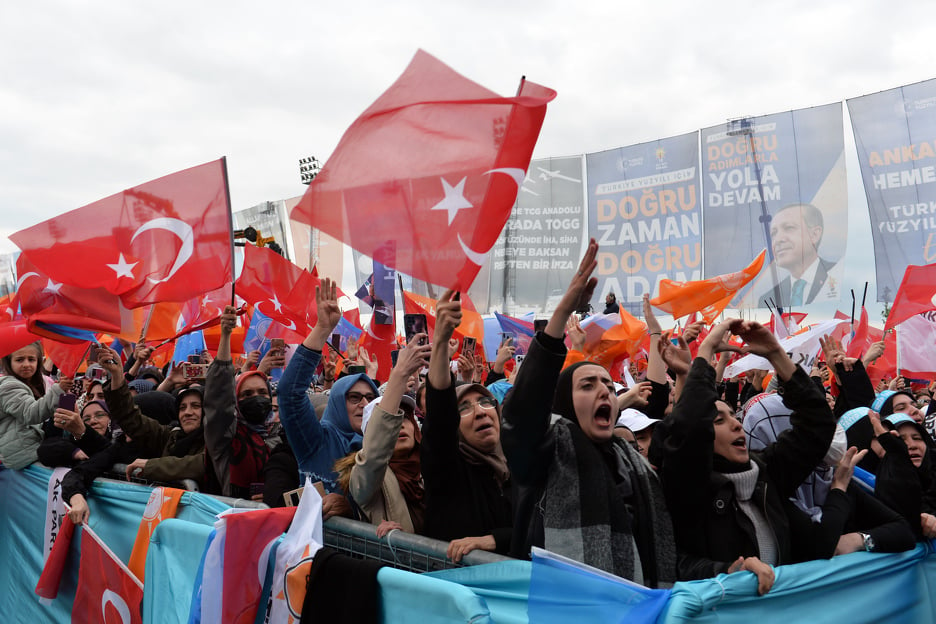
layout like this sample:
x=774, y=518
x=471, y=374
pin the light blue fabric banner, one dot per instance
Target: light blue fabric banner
x=116, y=510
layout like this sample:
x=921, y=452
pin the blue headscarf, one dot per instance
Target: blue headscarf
x=336, y=412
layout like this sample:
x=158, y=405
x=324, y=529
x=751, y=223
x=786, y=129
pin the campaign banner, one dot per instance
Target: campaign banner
x=538, y=250
x=895, y=133
x=644, y=211
x=778, y=181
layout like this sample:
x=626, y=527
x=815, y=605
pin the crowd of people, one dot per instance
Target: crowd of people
x=683, y=475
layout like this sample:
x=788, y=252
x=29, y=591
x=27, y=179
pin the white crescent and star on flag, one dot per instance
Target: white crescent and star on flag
x=454, y=200
x=122, y=268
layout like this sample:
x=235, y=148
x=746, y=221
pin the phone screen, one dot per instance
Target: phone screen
x=468, y=346
x=414, y=324
x=540, y=325
x=68, y=401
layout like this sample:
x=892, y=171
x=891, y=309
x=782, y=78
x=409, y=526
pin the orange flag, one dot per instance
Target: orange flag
x=682, y=298
x=472, y=324
x=162, y=504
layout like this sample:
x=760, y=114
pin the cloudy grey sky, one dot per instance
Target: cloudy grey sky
x=100, y=96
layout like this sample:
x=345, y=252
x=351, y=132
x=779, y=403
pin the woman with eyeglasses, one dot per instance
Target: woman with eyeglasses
x=468, y=496
x=71, y=437
x=114, y=447
x=319, y=444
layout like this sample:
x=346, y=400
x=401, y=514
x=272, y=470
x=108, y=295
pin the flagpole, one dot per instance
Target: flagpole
x=146, y=323
x=230, y=218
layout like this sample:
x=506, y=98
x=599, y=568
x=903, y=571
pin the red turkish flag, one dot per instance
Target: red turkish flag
x=279, y=289
x=917, y=294
x=249, y=534
x=45, y=300
x=425, y=179
x=66, y=356
x=165, y=240
x=859, y=341
x=107, y=592
x=15, y=335
x=380, y=340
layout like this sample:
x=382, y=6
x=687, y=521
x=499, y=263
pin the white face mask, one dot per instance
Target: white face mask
x=837, y=449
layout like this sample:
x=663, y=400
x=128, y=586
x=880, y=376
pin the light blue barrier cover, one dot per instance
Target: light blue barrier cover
x=860, y=587
x=116, y=510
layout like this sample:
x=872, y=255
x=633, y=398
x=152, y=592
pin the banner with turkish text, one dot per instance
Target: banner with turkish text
x=778, y=181
x=538, y=251
x=895, y=133
x=644, y=211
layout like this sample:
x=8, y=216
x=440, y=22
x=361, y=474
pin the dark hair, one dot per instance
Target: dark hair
x=35, y=383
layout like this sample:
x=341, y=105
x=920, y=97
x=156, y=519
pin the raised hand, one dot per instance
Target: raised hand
x=579, y=292
x=575, y=333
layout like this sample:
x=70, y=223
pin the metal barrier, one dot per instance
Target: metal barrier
x=405, y=551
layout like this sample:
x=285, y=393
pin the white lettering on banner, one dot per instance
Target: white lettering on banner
x=912, y=210
x=905, y=177
x=650, y=230
x=744, y=196
x=659, y=179
x=55, y=510
x=907, y=225
x=737, y=178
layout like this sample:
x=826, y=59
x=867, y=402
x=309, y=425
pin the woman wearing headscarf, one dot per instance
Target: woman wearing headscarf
x=384, y=478
x=71, y=437
x=114, y=448
x=905, y=477
x=468, y=496
x=235, y=418
x=167, y=453
x=583, y=492
x=316, y=444
x=728, y=505
x=24, y=403
x=829, y=513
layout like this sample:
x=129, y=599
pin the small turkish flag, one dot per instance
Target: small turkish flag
x=425, y=179
x=107, y=591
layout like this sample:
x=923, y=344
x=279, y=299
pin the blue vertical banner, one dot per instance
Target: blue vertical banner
x=895, y=133
x=778, y=182
x=644, y=211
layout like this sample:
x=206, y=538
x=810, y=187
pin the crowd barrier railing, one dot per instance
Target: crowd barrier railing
x=861, y=587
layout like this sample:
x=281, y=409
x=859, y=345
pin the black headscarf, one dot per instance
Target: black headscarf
x=562, y=400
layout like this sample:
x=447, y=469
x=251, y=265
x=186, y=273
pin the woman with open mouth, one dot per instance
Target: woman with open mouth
x=583, y=492
x=728, y=504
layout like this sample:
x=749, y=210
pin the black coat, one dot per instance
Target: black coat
x=711, y=529
x=462, y=499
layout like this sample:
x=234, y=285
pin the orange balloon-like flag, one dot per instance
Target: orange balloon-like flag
x=709, y=296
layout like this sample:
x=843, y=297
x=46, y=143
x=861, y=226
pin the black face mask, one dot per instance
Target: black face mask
x=255, y=409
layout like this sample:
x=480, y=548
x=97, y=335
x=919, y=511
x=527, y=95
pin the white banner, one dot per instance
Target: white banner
x=802, y=348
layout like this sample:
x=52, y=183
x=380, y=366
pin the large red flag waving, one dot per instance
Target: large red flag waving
x=425, y=179
x=165, y=240
x=917, y=294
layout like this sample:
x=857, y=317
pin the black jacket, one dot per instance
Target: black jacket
x=78, y=480
x=462, y=499
x=57, y=449
x=711, y=529
x=854, y=510
x=280, y=475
